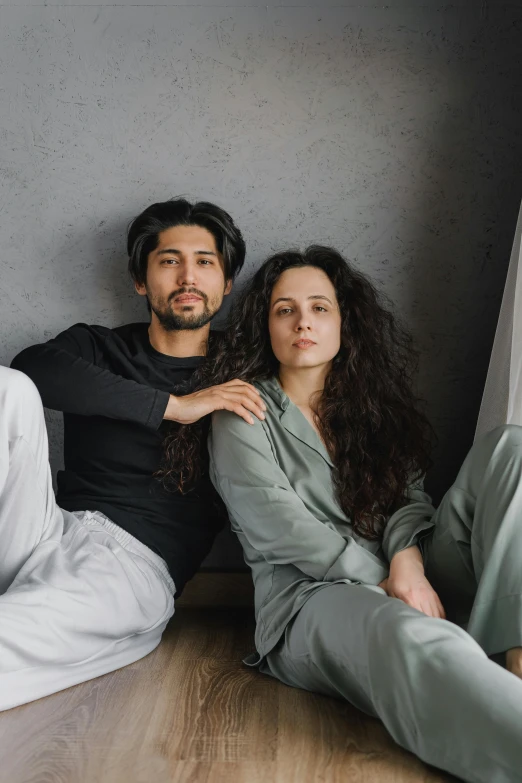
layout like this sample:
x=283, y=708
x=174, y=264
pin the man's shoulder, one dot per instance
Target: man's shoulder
x=94, y=330
x=99, y=337
x=138, y=326
x=136, y=330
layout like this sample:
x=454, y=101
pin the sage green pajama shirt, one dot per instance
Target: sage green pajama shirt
x=322, y=622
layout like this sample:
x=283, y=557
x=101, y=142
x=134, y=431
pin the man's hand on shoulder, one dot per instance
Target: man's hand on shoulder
x=236, y=396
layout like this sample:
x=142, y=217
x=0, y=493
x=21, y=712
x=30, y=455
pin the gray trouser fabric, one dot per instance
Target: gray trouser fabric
x=429, y=680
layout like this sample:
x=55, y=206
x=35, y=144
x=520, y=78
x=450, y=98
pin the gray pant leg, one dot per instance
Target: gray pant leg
x=431, y=684
x=473, y=558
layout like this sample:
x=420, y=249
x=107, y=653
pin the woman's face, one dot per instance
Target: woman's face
x=304, y=319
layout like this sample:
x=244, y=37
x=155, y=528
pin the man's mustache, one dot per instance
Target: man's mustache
x=194, y=291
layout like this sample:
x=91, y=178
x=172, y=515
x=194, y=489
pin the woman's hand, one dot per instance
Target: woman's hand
x=408, y=583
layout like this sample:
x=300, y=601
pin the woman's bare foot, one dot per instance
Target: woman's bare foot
x=514, y=661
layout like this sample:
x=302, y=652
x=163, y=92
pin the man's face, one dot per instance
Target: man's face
x=185, y=278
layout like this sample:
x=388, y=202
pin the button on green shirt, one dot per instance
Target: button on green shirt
x=275, y=477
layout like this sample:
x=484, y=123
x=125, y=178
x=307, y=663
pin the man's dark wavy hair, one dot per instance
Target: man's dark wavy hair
x=378, y=438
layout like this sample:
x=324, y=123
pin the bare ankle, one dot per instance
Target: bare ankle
x=514, y=661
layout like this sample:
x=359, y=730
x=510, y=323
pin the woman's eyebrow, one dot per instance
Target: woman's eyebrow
x=320, y=296
x=291, y=299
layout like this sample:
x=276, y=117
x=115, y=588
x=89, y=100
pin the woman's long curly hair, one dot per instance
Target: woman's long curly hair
x=368, y=416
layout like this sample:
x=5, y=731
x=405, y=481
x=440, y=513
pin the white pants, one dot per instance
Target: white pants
x=79, y=596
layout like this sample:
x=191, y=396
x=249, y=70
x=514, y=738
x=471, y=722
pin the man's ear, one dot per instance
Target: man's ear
x=140, y=288
x=228, y=288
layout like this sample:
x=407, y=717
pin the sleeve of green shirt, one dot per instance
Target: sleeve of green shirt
x=273, y=518
x=405, y=526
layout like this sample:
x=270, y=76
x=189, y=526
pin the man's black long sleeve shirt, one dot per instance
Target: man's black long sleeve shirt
x=113, y=388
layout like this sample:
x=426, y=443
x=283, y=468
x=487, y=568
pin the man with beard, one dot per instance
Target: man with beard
x=88, y=580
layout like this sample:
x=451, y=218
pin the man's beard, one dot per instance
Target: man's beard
x=173, y=322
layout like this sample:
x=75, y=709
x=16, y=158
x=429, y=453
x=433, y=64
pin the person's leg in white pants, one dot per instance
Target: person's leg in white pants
x=28, y=510
x=77, y=600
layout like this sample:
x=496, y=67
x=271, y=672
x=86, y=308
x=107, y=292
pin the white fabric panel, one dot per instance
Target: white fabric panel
x=502, y=399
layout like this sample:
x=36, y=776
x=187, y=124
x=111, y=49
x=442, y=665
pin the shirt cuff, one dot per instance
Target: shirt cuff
x=399, y=538
x=358, y=565
x=157, y=412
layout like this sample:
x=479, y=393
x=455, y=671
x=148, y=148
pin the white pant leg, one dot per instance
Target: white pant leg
x=90, y=602
x=28, y=511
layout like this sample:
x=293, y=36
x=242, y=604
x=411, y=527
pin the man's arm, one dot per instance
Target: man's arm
x=69, y=379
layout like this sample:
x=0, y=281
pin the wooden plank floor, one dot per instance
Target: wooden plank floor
x=191, y=713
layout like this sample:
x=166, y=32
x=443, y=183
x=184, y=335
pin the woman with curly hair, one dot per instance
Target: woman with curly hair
x=351, y=562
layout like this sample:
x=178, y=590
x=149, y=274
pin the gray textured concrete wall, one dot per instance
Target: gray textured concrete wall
x=391, y=132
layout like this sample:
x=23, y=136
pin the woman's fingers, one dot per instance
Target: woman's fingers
x=433, y=610
x=384, y=585
x=425, y=601
x=432, y=606
x=434, y=603
x=440, y=607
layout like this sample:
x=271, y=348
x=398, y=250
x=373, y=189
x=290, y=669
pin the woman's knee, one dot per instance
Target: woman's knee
x=504, y=436
x=490, y=453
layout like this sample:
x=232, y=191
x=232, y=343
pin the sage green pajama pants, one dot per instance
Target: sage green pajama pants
x=431, y=681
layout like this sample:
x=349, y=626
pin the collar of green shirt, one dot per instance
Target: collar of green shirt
x=293, y=420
